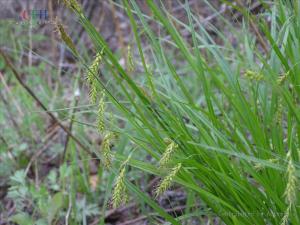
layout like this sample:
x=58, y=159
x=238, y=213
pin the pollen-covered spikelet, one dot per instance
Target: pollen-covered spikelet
x=290, y=191
x=65, y=37
x=130, y=62
x=101, y=111
x=91, y=77
x=105, y=149
x=93, y=69
x=167, y=181
x=120, y=195
x=285, y=218
x=291, y=187
x=93, y=92
x=282, y=78
x=253, y=75
x=172, y=146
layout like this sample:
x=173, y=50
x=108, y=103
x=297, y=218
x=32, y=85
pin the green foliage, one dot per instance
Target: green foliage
x=226, y=127
x=219, y=120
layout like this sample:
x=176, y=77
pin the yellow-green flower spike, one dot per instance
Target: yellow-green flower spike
x=290, y=191
x=101, y=111
x=291, y=188
x=285, y=218
x=93, y=92
x=93, y=69
x=91, y=77
x=167, y=181
x=120, y=195
x=106, y=152
x=167, y=154
x=253, y=75
x=66, y=38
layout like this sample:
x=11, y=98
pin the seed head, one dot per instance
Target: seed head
x=93, y=69
x=65, y=37
x=291, y=188
x=106, y=152
x=167, y=154
x=101, y=111
x=120, y=195
x=91, y=77
x=290, y=191
x=285, y=218
x=253, y=75
x=166, y=182
x=93, y=92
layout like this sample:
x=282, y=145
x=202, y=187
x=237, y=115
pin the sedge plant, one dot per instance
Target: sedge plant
x=230, y=113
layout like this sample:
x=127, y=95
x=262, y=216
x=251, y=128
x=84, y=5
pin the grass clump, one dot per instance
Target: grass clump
x=223, y=124
x=233, y=136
